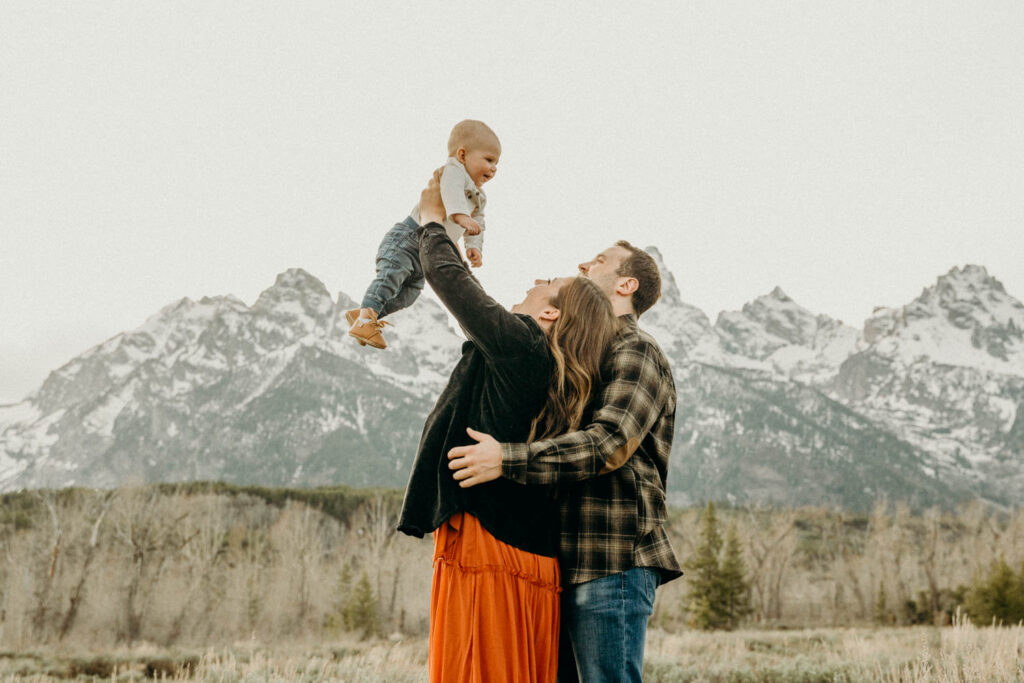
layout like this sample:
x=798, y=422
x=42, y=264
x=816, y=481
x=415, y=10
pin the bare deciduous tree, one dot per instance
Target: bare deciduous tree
x=151, y=532
x=100, y=506
x=770, y=550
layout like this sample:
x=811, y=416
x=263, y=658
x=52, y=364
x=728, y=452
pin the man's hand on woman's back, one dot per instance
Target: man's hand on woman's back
x=478, y=463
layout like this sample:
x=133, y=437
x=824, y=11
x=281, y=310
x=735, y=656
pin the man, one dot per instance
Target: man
x=614, y=550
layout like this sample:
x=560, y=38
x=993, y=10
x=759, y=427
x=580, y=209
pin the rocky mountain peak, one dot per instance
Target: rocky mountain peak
x=970, y=287
x=971, y=275
x=774, y=333
x=965, y=319
x=678, y=326
x=297, y=278
x=345, y=302
x=295, y=294
x=669, y=288
x=768, y=323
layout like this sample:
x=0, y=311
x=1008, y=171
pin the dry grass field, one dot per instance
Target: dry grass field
x=961, y=652
x=222, y=583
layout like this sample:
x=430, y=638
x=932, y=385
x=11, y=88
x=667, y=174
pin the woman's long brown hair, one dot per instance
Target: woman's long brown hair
x=579, y=339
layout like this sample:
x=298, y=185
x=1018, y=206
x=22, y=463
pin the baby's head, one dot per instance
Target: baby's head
x=476, y=146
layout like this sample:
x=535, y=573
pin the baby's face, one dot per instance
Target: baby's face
x=481, y=163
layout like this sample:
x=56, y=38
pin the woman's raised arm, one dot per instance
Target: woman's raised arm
x=495, y=330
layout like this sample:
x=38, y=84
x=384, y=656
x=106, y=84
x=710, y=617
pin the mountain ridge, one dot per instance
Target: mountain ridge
x=276, y=393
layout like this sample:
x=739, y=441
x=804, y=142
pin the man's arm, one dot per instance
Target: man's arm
x=630, y=403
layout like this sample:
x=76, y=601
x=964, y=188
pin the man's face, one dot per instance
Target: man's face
x=539, y=296
x=603, y=269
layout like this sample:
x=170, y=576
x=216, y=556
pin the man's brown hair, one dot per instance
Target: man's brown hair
x=641, y=265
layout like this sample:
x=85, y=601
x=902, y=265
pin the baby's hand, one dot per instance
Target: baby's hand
x=470, y=225
x=476, y=259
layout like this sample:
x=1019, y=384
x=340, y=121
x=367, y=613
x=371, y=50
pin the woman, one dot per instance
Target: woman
x=524, y=373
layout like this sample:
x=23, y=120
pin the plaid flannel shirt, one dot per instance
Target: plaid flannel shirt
x=613, y=472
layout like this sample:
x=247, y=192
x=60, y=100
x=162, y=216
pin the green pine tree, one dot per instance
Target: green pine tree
x=360, y=612
x=337, y=620
x=735, y=590
x=999, y=595
x=704, y=598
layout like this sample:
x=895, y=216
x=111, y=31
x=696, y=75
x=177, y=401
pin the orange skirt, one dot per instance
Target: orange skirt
x=493, y=609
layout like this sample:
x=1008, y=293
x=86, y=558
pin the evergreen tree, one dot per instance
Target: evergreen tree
x=338, y=619
x=881, y=605
x=735, y=589
x=360, y=611
x=704, y=599
x=999, y=596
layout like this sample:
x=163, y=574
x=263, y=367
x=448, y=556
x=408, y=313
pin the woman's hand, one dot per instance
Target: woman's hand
x=431, y=206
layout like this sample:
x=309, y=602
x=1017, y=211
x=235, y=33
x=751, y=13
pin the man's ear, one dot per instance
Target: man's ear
x=550, y=314
x=626, y=286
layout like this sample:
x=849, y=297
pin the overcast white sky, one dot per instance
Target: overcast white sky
x=849, y=152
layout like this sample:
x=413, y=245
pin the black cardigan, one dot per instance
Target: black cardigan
x=497, y=387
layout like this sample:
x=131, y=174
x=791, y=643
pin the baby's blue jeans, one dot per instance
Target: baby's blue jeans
x=399, y=278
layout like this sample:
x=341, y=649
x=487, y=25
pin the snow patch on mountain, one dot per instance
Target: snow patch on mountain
x=30, y=437
x=18, y=414
x=100, y=420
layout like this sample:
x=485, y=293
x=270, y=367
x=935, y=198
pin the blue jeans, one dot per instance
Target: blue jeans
x=605, y=621
x=399, y=278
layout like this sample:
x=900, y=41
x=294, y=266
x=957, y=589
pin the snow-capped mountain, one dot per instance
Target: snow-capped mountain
x=966, y=319
x=679, y=327
x=779, y=403
x=784, y=338
x=215, y=389
x=776, y=403
x=772, y=334
x=946, y=372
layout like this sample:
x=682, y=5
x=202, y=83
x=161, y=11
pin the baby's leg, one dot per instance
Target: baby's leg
x=397, y=261
x=407, y=294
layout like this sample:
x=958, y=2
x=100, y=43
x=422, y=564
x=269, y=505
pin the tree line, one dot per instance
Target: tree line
x=719, y=586
x=208, y=563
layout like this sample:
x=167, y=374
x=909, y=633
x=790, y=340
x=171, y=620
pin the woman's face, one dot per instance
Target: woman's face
x=538, y=298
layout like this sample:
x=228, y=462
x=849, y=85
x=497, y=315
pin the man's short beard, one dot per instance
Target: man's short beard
x=606, y=282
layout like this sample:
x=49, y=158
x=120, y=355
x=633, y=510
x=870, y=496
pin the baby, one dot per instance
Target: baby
x=473, y=152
